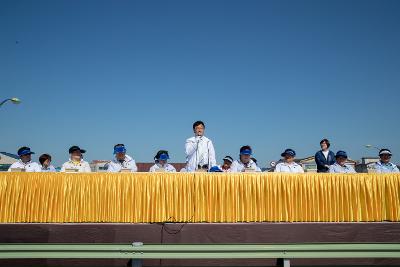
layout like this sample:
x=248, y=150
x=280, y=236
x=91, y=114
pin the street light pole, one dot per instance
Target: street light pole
x=13, y=100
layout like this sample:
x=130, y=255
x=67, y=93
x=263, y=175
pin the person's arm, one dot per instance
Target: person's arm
x=377, y=168
x=11, y=167
x=331, y=169
x=318, y=159
x=190, y=147
x=62, y=168
x=352, y=170
x=134, y=167
x=258, y=169
x=234, y=167
x=87, y=167
x=172, y=168
x=395, y=169
x=110, y=167
x=333, y=159
x=277, y=168
x=211, y=155
x=152, y=168
x=301, y=170
x=37, y=168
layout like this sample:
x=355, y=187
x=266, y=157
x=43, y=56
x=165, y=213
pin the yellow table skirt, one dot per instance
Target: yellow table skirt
x=198, y=197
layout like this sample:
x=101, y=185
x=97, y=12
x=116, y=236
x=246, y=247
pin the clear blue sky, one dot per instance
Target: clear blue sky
x=271, y=74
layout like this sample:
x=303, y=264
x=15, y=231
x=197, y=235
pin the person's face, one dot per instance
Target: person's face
x=341, y=161
x=162, y=162
x=227, y=164
x=245, y=158
x=120, y=156
x=289, y=159
x=26, y=158
x=385, y=158
x=47, y=162
x=324, y=146
x=76, y=155
x=199, y=130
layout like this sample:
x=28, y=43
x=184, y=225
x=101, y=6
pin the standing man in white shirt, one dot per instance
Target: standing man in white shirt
x=76, y=162
x=199, y=150
x=288, y=164
x=122, y=162
x=25, y=163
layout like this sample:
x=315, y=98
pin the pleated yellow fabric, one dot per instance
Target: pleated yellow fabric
x=198, y=197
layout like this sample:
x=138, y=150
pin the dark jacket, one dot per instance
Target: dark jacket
x=321, y=160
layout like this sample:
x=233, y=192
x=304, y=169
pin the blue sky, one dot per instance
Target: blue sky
x=271, y=74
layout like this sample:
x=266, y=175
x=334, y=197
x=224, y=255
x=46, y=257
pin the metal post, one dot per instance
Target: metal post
x=137, y=262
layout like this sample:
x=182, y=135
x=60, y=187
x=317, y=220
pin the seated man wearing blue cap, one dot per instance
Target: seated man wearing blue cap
x=288, y=164
x=162, y=165
x=122, y=162
x=245, y=163
x=340, y=165
x=384, y=165
x=25, y=163
x=76, y=162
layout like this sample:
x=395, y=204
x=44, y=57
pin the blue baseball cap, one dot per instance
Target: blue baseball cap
x=246, y=152
x=25, y=151
x=289, y=152
x=215, y=169
x=341, y=154
x=163, y=156
x=119, y=149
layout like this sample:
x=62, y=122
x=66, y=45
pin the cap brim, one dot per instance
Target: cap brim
x=287, y=154
x=81, y=150
x=29, y=153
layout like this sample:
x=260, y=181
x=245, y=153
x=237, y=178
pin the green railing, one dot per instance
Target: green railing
x=138, y=251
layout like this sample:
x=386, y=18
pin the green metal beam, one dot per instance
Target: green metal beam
x=200, y=251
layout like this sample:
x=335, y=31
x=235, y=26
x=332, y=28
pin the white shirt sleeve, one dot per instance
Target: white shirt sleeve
x=110, y=167
x=190, y=147
x=134, y=167
x=87, y=167
x=63, y=167
x=37, y=168
x=277, y=168
x=211, y=155
x=12, y=166
x=153, y=168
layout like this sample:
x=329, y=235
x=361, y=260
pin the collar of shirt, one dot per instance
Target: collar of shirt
x=389, y=164
x=340, y=166
x=76, y=163
x=26, y=163
x=248, y=165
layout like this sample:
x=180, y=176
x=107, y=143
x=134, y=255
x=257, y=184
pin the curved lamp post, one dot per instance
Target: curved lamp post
x=13, y=100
